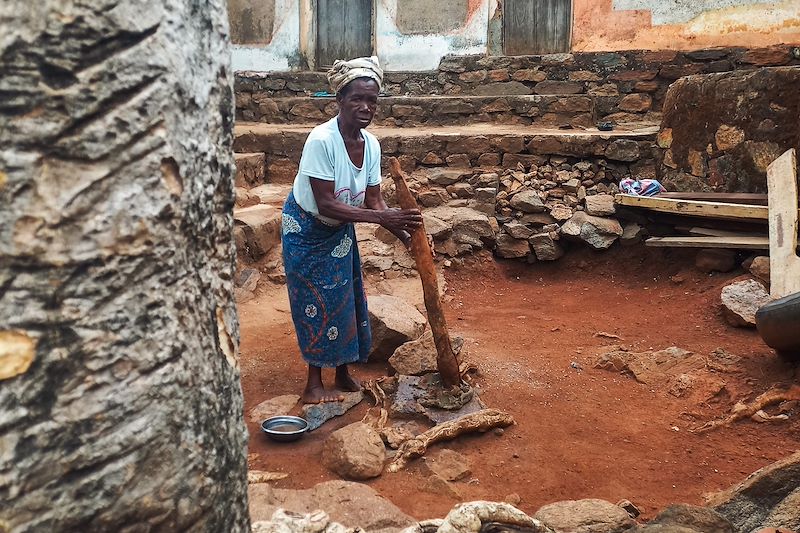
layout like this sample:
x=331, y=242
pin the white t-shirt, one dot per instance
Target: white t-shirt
x=325, y=157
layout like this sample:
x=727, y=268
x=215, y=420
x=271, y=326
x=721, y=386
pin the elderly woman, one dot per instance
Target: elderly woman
x=337, y=184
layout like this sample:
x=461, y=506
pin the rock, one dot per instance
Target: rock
x=288, y=522
x=636, y=103
x=247, y=279
x=715, y=260
x=650, y=367
x=741, y=300
x=262, y=229
x=393, y=322
x=279, y=405
x=600, y=205
x=349, y=503
x=769, y=496
x=630, y=508
x=684, y=518
x=273, y=194
x=759, y=268
x=418, y=357
x=585, y=516
x=243, y=295
x=513, y=498
x=728, y=137
x=517, y=230
x=527, y=202
x=250, y=169
x=632, y=233
x=355, y=452
x=545, y=247
x=509, y=247
x=572, y=185
x=623, y=150
x=449, y=465
x=318, y=413
x=446, y=176
x=560, y=213
x=599, y=233
x=558, y=87
x=435, y=484
x=245, y=198
x=435, y=227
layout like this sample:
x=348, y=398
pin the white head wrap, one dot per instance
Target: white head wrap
x=343, y=72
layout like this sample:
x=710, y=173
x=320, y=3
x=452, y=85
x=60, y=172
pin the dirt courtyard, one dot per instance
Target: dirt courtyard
x=581, y=432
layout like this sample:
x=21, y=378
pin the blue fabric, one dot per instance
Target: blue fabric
x=326, y=290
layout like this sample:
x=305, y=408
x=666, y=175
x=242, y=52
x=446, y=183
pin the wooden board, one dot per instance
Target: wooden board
x=784, y=265
x=699, y=208
x=725, y=197
x=344, y=30
x=536, y=26
x=714, y=232
x=734, y=243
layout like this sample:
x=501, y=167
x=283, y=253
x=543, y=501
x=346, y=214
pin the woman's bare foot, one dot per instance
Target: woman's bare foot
x=318, y=394
x=345, y=382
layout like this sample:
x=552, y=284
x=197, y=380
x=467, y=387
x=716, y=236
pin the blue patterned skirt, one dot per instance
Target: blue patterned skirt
x=326, y=290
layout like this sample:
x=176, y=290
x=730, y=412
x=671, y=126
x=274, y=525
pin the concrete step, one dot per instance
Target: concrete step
x=411, y=111
x=476, y=145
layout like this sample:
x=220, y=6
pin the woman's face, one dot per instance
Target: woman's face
x=359, y=102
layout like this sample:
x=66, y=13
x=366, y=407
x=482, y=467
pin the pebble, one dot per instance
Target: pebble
x=499, y=431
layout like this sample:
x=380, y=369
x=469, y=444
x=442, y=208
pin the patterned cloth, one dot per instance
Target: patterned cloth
x=641, y=187
x=343, y=72
x=326, y=291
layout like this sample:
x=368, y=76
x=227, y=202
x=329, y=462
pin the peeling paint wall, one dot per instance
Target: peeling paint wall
x=278, y=48
x=404, y=46
x=683, y=24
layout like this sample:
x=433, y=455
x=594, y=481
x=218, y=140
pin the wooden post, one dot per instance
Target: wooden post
x=784, y=265
x=446, y=360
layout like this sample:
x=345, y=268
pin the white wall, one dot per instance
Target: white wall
x=283, y=48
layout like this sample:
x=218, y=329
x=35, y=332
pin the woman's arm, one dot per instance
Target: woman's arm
x=395, y=220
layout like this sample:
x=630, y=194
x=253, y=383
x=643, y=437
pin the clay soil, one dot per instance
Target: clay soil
x=581, y=432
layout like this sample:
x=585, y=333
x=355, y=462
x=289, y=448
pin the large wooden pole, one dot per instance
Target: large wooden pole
x=446, y=360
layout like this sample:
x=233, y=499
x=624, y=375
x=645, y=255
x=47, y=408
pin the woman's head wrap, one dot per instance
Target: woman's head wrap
x=343, y=72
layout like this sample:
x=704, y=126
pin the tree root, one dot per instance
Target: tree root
x=742, y=410
x=480, y=421
x=259, y=476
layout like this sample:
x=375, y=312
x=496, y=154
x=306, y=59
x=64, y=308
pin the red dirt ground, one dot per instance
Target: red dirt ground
x=579, y=434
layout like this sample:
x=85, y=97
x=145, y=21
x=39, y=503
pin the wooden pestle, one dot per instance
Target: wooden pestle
x=446, y=360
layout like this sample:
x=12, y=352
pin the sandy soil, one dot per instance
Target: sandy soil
x=586, y=433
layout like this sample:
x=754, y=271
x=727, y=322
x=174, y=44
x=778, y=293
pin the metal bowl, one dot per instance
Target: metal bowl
x=284, y=428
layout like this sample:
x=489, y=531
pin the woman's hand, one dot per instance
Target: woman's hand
x=400, y=220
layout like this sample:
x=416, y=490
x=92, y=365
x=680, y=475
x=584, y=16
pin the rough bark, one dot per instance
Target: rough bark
x=120, y=402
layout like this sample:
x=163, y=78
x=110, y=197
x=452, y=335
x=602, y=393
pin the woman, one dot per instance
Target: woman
x=338, y=183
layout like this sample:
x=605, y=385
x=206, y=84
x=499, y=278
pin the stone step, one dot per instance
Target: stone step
x=412, y=111
x=251, y=169
x=476, y=145
x=257, y=229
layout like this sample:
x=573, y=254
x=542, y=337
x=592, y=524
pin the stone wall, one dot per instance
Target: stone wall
x=639, y=78
x=543, y=110
x=721, y=131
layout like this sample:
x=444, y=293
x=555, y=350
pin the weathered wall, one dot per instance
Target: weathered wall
x=120, y=399
x=721, y=131
x=416, y=34
x=683, y=24
x=266, y=34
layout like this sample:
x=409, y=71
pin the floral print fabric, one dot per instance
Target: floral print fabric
x=326, y=290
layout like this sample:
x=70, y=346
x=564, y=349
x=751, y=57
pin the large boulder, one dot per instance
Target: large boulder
x=585, y=516
x=741, y=300
x=509, y=247
x=261, y=225
x=418, y=357
x=684, y=518
x=354, y=452
x=349, y=503
x=393, y=322
x=769, y=497
x=597, y=232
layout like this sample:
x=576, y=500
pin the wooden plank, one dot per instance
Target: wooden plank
x=725, y=197
x=714, y=232
x=695, y=207
x=734, y=243
x=344, y=30
x=784, y=265
x=536, y=26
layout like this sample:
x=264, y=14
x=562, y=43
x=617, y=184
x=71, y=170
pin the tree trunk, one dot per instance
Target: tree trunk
x=120, y=402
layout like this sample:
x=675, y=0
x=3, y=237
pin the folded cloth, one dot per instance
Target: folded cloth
x=343, y=72
x=642, y=187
